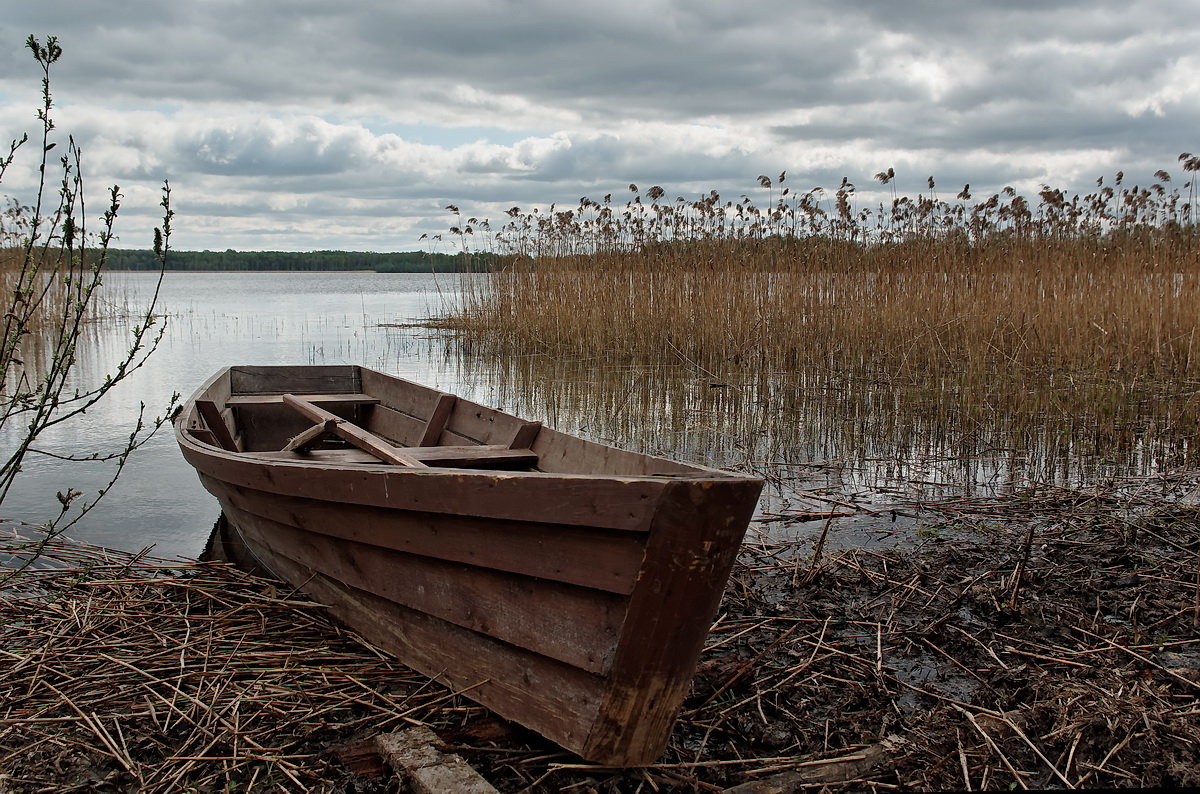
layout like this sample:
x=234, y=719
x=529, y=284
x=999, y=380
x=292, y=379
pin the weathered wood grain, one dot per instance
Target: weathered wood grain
x=303, y=442
x=216, y=389
x=604, y=560
x=438, y=419
x=325, y=400
x=555, y=699
x=525, y=435
x=351, y=432
x=472, y=457
x=204, y=435
x=400, y=395
x=562, y=453
x=475, y=423
x=325, y=457
x=689, y=553
x=213, y=418
x=612, y=503
x=418, y=756
x=399, y=428
x=482, y=456
x=563, y=622
x=297, y=379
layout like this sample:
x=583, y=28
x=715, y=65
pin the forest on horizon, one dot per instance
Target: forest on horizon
x=396, y=262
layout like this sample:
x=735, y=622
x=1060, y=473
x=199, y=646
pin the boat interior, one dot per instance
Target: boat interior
x=352, y=415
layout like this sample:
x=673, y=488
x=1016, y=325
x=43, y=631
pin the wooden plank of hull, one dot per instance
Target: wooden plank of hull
x=468, y=423
x=559, y=452
x=298, y=379
x=216, y=421
x=552, y=698
x=690, y=551
x=400, y=428
x=205, y=435
x=480, y=424
x=470, y=457
x=215, y=389
x=609, y=502
x=322, y=398
x=478, y=455
x=571, y=624
x=604, y=560
x=401, y=395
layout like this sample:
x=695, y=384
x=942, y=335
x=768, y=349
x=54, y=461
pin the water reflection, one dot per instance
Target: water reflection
x=819, y=428
x=824, y=441
x=214, y=320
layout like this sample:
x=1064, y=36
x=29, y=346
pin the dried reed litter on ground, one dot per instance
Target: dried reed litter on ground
x=1045, y=639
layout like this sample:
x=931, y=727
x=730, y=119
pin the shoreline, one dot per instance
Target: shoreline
x=1039, y=639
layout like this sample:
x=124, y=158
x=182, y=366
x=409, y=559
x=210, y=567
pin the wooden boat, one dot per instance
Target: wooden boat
x=564, y=584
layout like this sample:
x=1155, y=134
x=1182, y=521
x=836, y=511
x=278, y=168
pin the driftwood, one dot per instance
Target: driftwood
x=826, y=770
x=420, y=758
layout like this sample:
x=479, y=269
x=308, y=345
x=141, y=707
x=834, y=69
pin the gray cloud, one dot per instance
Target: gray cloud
x=276, y=121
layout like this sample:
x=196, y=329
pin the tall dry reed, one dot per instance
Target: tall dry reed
x=1080, y=306
x=27, y=277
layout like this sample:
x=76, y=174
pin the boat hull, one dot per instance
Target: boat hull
x=573, y=603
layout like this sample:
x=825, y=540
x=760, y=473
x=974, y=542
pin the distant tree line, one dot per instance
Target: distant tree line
x=400, y=262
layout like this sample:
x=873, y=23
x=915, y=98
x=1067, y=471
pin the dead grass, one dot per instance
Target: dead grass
x=121, y=671
x=1080, y=310
x=1041, y=639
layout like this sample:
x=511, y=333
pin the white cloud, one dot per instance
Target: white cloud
x=1176, y=86
x=287, y=124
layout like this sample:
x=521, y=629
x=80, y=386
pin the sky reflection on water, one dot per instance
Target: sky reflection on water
x=813, y=436
x=214, y=320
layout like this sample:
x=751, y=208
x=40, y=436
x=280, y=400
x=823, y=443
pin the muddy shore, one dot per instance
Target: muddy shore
x=1047, y=638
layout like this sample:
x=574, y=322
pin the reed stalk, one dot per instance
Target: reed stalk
x=1081, y=307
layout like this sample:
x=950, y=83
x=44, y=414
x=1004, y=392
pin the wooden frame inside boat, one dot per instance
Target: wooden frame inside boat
x=565, y=584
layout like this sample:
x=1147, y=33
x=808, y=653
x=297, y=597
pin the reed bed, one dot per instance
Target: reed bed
x=1054, y=642
x=1080, y=308
x=45, y=289
x=40, y=282
x=121, y=671
x=878, y=432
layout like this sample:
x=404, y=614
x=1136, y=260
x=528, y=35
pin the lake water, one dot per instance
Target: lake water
x=214, y=320
x=823, y=445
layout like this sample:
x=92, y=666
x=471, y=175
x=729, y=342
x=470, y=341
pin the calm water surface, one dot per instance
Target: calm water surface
x=815, y=439
x=214, y=320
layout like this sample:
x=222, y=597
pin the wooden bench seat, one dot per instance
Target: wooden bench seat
x=323, y=399
x=480, y=457
x=367, y=447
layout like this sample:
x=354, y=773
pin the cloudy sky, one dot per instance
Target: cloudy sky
x=306, y=125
